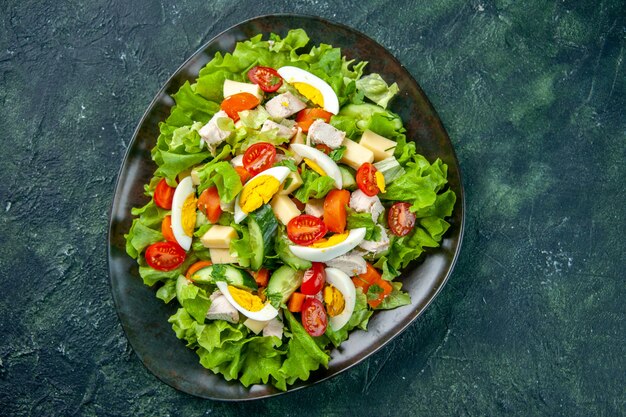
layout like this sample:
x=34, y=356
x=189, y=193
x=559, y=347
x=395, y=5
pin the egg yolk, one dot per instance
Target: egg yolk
x=245, y=299
x=315, y=167
x=331, y=241
x=335, y=303
x=258, y=192
x=380, y=181
x=310, y=92
x=188, y=214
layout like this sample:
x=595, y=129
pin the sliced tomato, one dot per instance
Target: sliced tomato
x=265, y=77
x=232, y=105
x=314, y=318
x=209, y=204
x=314, y=279
x=305, y=229
x=166, y=229
x=306, y=117
x=165, y=256
x=400, y=219
x=163, y=195
x=366, y=179
x=335, y=210
x=259, y=157
x=243, y=174
x=196, y=267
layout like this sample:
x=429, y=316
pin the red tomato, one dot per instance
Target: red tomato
x=313, y=279
x=335, y=215
x=232, y=105
x=243, y=174
x=314, y=318
x=306, y=117
x=265, y=77
x=165, y=256
x=166, y=229
x=400, y=219
x=163, y=195
x=259, y=157
x=305, y=229
x=366, y=179
x=209, y=204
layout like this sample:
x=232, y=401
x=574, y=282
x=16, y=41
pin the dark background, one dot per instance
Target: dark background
x=532, y=320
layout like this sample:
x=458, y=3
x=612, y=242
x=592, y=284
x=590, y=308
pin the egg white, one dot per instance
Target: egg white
x=324, y=161
x=280, y=173
x=265, y=314
x=298, y=75
x=308, y=253
x=183, y=190
x=344, y=284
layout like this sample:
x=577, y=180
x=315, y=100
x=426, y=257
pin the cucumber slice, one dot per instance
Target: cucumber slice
x=283, y=282
x=347, y=177
x=262, y=226
x=224, y=272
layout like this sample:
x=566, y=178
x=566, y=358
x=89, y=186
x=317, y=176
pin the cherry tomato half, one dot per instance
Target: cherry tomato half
x=265, y=77
x=306, y=117
x=163, y=195
x=401, y=220
x=165, y=256
x=313, y=279
x=259, y=157
x=209, y=204
x=232, y=105
x=314, y=318
x=366, y=179
x=305, y=229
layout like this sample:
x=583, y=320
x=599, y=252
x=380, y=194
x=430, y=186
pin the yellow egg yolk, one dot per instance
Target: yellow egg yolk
x=188, y=214
x=245, y=299
x=335, y=303
x=331, y=241
x=258, y=192
x=380, y=181
x=315, y=167
x=310, y=92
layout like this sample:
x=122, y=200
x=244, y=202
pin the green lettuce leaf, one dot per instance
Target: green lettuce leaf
x=395, y=299
x=376, y=89
x=356, y=220
x=313, y=186
x=224, y=177
x=195, y=300
x=167, y=292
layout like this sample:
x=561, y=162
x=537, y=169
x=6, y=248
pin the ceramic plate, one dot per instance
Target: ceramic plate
x=144, y=317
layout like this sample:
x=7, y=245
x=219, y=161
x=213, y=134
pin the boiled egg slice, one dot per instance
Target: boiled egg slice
x=184, y=212
x=246, y=303
x=340, y=297
x=319, y=162
x=259, y=190
x=330, y=248
x=312, y=87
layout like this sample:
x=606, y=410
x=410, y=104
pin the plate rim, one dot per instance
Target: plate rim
x=460, y=203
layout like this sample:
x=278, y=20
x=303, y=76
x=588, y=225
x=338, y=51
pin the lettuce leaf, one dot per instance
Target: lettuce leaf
x=313, y=186
x=376, y=89
x=224, y=177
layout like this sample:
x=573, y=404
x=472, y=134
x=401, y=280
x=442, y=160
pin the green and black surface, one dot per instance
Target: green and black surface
x=531, y=322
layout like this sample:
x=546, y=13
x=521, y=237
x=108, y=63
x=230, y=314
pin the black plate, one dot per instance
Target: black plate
x=144, y=317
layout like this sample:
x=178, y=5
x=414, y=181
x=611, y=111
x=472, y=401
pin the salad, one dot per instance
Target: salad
x=285, y=204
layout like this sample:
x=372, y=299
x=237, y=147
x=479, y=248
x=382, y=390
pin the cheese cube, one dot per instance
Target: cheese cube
x=233, y=87
x=222, y=256
x=284, y=208
x=255, y=325
x=219, y=237
x=381, y=146
x=355, y=154
x=294, y=181
x=298, y=138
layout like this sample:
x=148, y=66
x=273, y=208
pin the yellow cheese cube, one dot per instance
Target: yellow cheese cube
x=218, y=237
x=294, y=181
x=299, y=138
x=255, y=325
x=381, y=146
x=222, y=256
x=284, y=208
x=355, y=154
x=234, y=87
